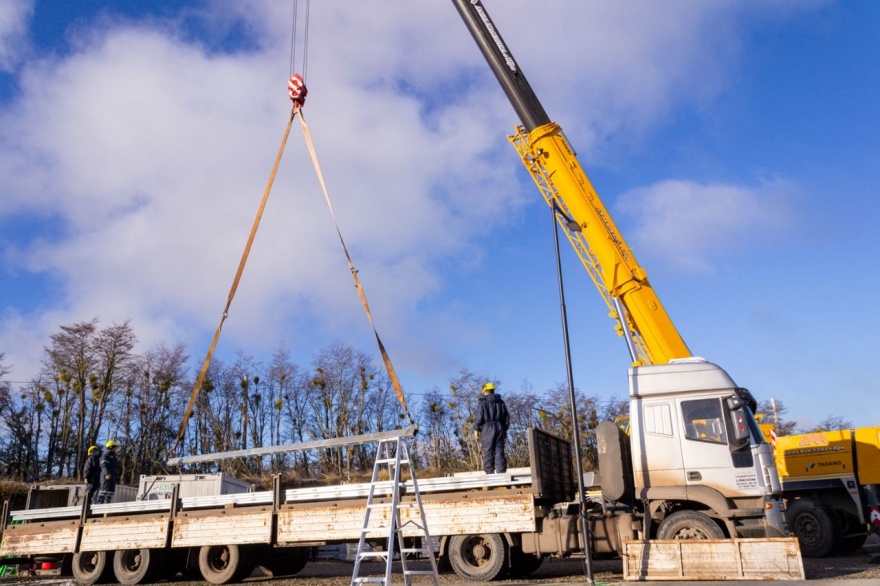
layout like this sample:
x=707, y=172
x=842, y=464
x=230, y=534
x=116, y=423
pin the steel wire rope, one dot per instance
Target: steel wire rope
x=294, y=31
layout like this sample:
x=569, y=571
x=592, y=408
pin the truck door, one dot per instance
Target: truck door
x=657, y=459
x=712, y=455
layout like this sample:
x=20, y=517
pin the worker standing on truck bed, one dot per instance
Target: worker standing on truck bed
x=491, y=427
x=109, y=473
x=92, y=473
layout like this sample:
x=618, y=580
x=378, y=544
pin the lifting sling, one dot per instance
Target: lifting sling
x=297, y=92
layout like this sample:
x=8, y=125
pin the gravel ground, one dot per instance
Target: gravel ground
x=855, y=565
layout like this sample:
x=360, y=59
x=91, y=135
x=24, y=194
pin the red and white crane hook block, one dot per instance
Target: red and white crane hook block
x=296, y=89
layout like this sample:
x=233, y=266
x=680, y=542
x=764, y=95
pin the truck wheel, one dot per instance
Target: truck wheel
x=136, y=566
x=815, y=525
x=92, y=567
x=689, y=525
x=478, y=558
x=221, y=564
x=523, y=564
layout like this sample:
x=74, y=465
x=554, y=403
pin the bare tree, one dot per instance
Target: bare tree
x=342, y=386
x=280, y=375
x=440, y=445
x=519, y=405
x=220, y=414
x=112, y=349
x=71, y=356
x=588, y=408
x=775, y=412
x=156, y=404
x=831, y=423
x=465, y=392
x=62, y=421
x=297, y=406
x=21, y=419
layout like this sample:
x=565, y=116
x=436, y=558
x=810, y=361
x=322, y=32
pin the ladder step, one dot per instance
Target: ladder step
x=374, y=579
x=418, y=573
x=372, y=554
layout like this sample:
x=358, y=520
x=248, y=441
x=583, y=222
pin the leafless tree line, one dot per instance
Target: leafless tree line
x=93, y=387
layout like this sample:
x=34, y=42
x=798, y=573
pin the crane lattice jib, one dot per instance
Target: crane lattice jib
x=608, y=260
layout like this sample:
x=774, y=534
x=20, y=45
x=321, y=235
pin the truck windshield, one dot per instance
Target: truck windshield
x=704, y=420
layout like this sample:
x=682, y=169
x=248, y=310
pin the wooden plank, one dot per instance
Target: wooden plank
x=39, y=538
x=471, y=515
x=758, y=559
x=723, y=559
x=227, y=526
x=135, y=532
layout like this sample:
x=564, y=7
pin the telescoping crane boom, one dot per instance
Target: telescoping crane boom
x=623, y=283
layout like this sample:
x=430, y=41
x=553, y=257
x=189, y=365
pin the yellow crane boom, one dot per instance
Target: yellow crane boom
x=641, y=318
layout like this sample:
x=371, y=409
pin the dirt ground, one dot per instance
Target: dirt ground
x=861, y=564
x=853, y=565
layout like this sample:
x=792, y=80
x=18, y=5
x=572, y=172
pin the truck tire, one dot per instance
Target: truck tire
x=222, y=564
x=478, y=558
x=137, y=566
x=815, y=525
x=689, y=525
x=92, y=567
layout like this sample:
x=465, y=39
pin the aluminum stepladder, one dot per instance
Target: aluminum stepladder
x=392, y=454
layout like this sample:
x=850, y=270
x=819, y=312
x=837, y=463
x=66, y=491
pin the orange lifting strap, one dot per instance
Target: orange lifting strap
x=297, y=92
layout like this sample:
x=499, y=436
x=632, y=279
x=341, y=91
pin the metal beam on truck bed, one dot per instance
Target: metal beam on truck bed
x=297, y=447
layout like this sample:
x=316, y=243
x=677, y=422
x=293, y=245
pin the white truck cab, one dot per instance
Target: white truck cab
x=695, y=445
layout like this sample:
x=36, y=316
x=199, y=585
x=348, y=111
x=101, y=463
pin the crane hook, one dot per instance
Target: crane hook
x=296, y=89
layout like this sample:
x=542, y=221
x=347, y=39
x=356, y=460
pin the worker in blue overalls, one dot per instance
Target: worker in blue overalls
x=491, y=428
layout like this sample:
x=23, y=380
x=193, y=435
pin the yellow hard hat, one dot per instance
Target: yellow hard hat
x=488, y=388
x=92, y=450
x=112, y=444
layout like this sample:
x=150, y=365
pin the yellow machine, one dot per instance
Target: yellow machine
x=829, y=481
x=651, y=336
x=622, y=282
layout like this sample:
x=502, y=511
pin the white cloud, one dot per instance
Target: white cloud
x=688, y=224
x=152, y=153
x=14, y=18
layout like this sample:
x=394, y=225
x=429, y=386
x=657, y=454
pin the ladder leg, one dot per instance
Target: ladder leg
x=361, y=553
x=395, y=540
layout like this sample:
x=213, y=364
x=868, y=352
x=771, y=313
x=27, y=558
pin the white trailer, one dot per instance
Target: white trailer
x=485, y=527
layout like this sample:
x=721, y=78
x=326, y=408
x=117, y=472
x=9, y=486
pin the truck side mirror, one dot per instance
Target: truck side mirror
x=740, y=425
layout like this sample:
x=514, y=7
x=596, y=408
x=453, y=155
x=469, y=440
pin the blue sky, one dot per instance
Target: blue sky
x=735, y=143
